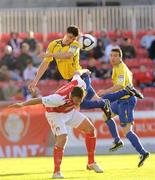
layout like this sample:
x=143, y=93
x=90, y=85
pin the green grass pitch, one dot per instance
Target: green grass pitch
x=116, y=167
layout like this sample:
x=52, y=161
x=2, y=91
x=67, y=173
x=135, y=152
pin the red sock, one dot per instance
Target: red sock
x=90, y=141
x=57, y=155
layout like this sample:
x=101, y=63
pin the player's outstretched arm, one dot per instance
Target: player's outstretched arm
x=42, y=68
x=59, y=55
x=33, y=101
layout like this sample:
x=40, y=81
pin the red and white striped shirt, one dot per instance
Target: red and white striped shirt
x=59, y=102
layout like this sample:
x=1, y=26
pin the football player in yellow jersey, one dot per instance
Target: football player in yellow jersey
x=66, y=54
x=123, y=107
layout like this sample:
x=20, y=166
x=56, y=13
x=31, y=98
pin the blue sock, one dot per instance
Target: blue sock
x=135, y=141
x=115, y=96
x=113, y=129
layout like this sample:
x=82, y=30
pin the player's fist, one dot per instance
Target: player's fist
x=31, y=87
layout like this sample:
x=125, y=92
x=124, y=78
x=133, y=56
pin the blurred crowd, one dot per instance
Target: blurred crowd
x=19, y=59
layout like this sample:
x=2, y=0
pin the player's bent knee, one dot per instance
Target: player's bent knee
x=87, y=127
x=61, y=140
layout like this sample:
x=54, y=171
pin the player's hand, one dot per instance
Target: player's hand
x=31, y=87
x=16, y=105
x=88, y=71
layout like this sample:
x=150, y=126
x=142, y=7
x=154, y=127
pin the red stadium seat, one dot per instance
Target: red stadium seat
x=149, y=104
x=136, y=43
x=5, y=37
x=132, y=63
x=146, y=61
x=54, y=35
x=111, y=34
x=97, y=34
x=141, y=53
x=38, y=36
x=22, y=35
x=128, y=34
x=2, y=46
x=140, y=34
x=144, y=77
x=149, y=92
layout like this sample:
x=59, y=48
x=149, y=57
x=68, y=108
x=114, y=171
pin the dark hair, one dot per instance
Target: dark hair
x=73, y=30
x=117, y=50
x=78, y=92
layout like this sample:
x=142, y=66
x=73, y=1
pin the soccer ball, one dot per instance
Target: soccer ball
x=87, y=42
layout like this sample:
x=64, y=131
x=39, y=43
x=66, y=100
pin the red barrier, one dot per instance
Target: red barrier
x=23, y=132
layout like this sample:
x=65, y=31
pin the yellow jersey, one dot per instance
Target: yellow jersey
x=121, y=75
x=66, y=67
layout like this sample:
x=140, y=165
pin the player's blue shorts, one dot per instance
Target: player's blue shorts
x=124, y=108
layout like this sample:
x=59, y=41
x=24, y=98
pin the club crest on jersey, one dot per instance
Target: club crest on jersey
x=120, y=78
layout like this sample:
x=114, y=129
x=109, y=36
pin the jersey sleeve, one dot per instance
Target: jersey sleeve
x=49, y=51
x=74, y=48
x=80, y=81
x=53, y=100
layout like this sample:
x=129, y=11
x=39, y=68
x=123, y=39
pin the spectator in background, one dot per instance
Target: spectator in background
x=8, y=59
x=31, y=41
x=104, y=71
x=15, y=43
x=127, y=49
x=152, y=51
x=6, y=74
x=24, y=57
x=147, y=39
x=35, y=55
x=113, y=44
x=92, y=67
x=98, y=51
x=118, y=35
x=10, y=90
x=104, y=38
x=30, y=71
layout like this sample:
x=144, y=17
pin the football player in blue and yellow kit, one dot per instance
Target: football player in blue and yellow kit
x=123, y=107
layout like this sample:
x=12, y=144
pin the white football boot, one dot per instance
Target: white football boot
x=57, y=175
x=94, y=166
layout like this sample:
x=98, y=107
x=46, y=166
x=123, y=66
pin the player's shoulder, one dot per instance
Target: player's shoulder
x=122, y=65
x=75, y=43
x=55, y=42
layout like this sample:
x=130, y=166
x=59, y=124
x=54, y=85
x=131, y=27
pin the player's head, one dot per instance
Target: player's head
x=77, y=95
x=115, y=56
x=71, y=34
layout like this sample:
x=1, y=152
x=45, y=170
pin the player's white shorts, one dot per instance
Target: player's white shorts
x=58, y=121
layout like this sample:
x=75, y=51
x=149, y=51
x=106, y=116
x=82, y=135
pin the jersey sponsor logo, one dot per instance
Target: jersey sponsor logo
x=120, y=78
x=73, y=49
